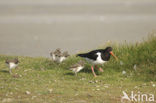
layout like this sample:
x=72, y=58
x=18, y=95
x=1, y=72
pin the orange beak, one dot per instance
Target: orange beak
x=113, y=55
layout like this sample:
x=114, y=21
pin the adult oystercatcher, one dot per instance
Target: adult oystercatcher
x=12, y=63
x=98, y=56
x=77, y=67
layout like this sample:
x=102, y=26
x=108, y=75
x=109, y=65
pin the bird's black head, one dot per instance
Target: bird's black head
x=16, y=60
x=109, y=49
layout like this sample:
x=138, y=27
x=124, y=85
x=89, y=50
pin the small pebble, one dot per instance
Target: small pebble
x=96, y=81
x=97, y=86
x=76, y=94
x=121, y=63
x=18, y=96
x=6, y=94
x=135, y=87
x=82, y=79
x=6, y=100
x=91, y=82
x=134, y=67
x=50, y=90
x=11, y=93
x=89, y=95
x=1, y=87
x=153, y=85
x=123, y=72
x=27, y=92
x=27, y=70
x=33, y=97
x=106, y=86
x=97, y=89
x=144, y=84
x=42, y=69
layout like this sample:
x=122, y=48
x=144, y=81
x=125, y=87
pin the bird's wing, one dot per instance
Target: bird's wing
x=89, y=55
x=93, y=55
x=74, y=66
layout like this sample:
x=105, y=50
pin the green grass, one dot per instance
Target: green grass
x=49, y=82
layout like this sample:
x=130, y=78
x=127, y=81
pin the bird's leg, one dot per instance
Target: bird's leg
x=100, y=69
x=75, y=74
x=10, y=71
x=95, y=66
x=93, y=71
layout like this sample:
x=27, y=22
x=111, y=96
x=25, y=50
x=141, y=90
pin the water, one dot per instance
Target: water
x=32, y=28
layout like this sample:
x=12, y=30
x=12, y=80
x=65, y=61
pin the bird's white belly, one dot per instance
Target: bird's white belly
x=12, y=65
x=97, y=61
x=61, y=59
x=79, y=68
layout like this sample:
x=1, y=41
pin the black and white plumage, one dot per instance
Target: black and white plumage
x=12, y=63
x=77, y=67
x=98, y=56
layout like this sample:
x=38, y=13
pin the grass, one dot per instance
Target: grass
x=48, y=82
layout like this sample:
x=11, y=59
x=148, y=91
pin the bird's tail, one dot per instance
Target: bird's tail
x=81, y=55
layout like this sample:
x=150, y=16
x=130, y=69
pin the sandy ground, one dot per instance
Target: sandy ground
x=34, y=28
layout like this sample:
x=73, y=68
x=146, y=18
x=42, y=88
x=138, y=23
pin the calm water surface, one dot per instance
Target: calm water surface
x=32, y=28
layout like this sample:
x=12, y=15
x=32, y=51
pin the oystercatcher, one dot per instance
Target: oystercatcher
x=63, y=56
x=55, y=54
x=58, y=56
x=98, y=56
x=77, y=67
x=12, y=63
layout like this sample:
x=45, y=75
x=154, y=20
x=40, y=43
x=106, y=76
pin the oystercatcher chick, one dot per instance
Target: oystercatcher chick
x=12, y=63
x=77, y=67
x=55, y=55
x=98, y=56
x=63, y=56
x=58, y=56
